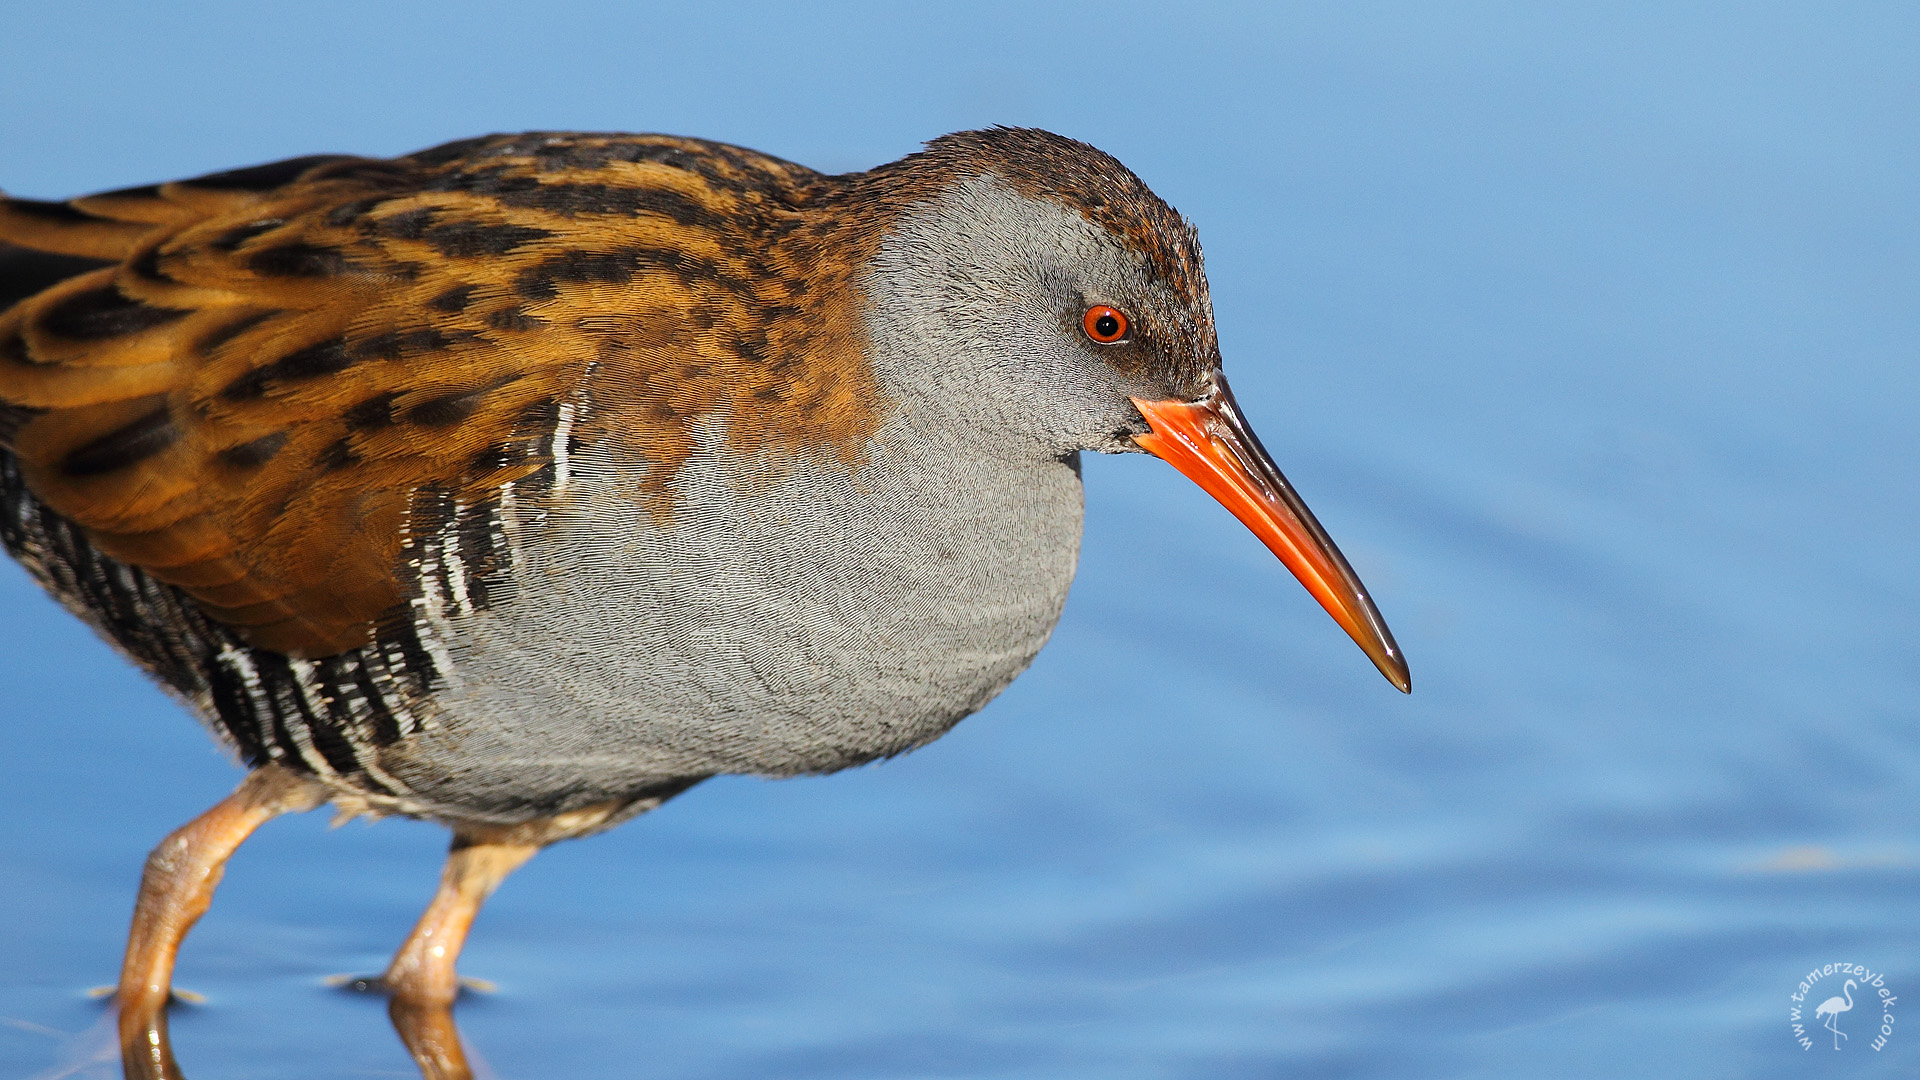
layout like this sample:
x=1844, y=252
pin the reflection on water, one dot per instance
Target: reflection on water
x=1591, y=341
x=434, y=1041
x=429, y=1035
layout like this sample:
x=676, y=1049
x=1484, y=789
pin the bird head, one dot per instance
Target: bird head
x=1046, y=301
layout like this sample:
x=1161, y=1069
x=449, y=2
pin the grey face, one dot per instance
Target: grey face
x=978, y=296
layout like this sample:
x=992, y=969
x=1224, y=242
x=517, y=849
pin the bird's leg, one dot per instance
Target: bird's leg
x=175, y=891
x=422, y=972
x=422, y=978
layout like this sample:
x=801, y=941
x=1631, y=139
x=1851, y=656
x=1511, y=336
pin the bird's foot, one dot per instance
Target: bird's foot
x=175, y=995
x=377, y=984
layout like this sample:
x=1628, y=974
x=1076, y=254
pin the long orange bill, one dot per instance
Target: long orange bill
x=1210, y=442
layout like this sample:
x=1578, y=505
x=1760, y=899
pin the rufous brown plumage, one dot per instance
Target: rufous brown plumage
x=522, y=483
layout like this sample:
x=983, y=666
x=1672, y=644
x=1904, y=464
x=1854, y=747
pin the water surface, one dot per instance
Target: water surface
x=1592, y=339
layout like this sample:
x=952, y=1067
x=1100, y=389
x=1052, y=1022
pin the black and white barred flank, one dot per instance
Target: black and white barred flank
x=327, y=717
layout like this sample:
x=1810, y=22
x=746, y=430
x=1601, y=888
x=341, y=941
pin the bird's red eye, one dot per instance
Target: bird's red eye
x=1105, y=325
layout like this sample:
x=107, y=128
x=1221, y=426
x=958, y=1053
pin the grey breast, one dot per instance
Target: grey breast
x=785, y=618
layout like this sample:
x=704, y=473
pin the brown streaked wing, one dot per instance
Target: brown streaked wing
x=280, y=361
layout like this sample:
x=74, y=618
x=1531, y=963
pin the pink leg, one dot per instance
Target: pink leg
x=422, y=977
x=422, y=972
x=175, y=891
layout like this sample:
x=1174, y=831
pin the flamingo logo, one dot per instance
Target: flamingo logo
x=1831, y=1009
x=1873, y=989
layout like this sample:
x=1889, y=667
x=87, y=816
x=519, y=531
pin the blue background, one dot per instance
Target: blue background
x=1590, y=335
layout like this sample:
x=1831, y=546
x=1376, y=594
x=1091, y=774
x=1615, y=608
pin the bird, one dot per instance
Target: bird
x=1832, y=1008
x=522, y=483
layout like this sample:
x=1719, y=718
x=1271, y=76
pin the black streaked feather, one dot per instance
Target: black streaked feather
x=25, y=272
x=125, y=445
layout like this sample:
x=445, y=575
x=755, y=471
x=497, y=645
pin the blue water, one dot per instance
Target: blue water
x=1591, y=337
